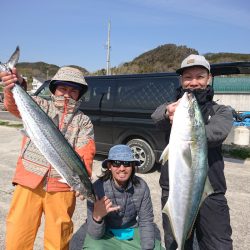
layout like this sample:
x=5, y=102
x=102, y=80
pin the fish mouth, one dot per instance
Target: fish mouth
x=190, y=97
x=190, y=94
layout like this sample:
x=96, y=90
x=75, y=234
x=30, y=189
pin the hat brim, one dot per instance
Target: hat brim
x=180, y=70
x=105, y=163
x=54, y=83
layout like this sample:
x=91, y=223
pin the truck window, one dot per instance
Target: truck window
x=145, y=93
x=98, y=94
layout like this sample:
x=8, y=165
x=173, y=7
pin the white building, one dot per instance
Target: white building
x=233, y=91
x=37, y=82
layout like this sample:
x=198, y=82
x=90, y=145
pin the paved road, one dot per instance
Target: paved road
x=237, y=174
x=5, y=115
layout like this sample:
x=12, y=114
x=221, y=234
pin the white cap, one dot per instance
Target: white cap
x=193, y=60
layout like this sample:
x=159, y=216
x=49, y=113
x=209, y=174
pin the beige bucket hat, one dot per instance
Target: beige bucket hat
x=69, y=76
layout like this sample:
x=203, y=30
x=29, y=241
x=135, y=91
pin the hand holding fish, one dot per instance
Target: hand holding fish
x=45, y=134
x=170, y=109
x=9, y=78
x=81, y=197
x=102, y=207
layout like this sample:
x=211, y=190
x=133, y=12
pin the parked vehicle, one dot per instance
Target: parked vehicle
x=242, y=119
x=1, y=97
x=120, y=107
x=2, y=108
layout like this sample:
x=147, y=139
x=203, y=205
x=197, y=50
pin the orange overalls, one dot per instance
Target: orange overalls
x=38, y=190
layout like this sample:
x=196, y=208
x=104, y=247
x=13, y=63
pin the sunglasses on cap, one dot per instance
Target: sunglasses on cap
x=117, y=164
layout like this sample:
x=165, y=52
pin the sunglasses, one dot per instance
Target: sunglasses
x=117, y=164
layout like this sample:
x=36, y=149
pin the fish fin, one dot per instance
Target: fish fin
x=24, y=132
x=208, y=190
x=63, y=181
x=166, y=211
x=13, y=59
x=164, y=155
x=187, y=156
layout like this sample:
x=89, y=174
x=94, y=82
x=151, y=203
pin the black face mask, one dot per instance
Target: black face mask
x=202, y=95
x=204, y=98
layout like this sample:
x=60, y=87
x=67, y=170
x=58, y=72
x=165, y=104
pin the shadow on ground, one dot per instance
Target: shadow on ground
x=77, y=240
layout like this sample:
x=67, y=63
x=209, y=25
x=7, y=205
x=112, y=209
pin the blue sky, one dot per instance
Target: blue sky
x=66, y=32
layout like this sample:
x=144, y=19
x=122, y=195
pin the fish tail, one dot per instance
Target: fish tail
x=164, y=155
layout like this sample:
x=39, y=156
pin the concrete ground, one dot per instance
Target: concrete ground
x=238, y=195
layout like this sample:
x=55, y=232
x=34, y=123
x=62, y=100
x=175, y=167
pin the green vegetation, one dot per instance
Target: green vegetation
x=165, y=58
x=226, y=57
x=9, y=124
x=240, y=153
x=237, y=152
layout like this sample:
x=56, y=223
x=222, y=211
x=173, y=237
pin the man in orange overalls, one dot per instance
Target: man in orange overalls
x=37, y=187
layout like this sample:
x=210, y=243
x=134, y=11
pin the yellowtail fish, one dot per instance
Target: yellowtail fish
x=188, y=167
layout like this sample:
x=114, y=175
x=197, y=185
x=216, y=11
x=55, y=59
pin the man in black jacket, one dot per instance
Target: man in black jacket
x=212, y=225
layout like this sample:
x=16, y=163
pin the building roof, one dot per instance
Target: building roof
x=231, y=85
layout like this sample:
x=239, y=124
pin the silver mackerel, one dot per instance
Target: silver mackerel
x=49, y=140
x=188, y=167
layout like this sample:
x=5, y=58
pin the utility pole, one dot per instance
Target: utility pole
x=108, y=50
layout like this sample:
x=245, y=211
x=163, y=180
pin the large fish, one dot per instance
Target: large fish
x=188, y=167
x=49, y=140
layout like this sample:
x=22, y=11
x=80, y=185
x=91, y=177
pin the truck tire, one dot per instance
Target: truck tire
x=144, y=153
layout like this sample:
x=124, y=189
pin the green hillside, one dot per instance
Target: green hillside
x=41, y=70
x=168, y=57
x=226, y=57
x=165, y=58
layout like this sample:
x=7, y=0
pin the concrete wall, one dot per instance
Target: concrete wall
x=240, y=102
x=232, y=136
